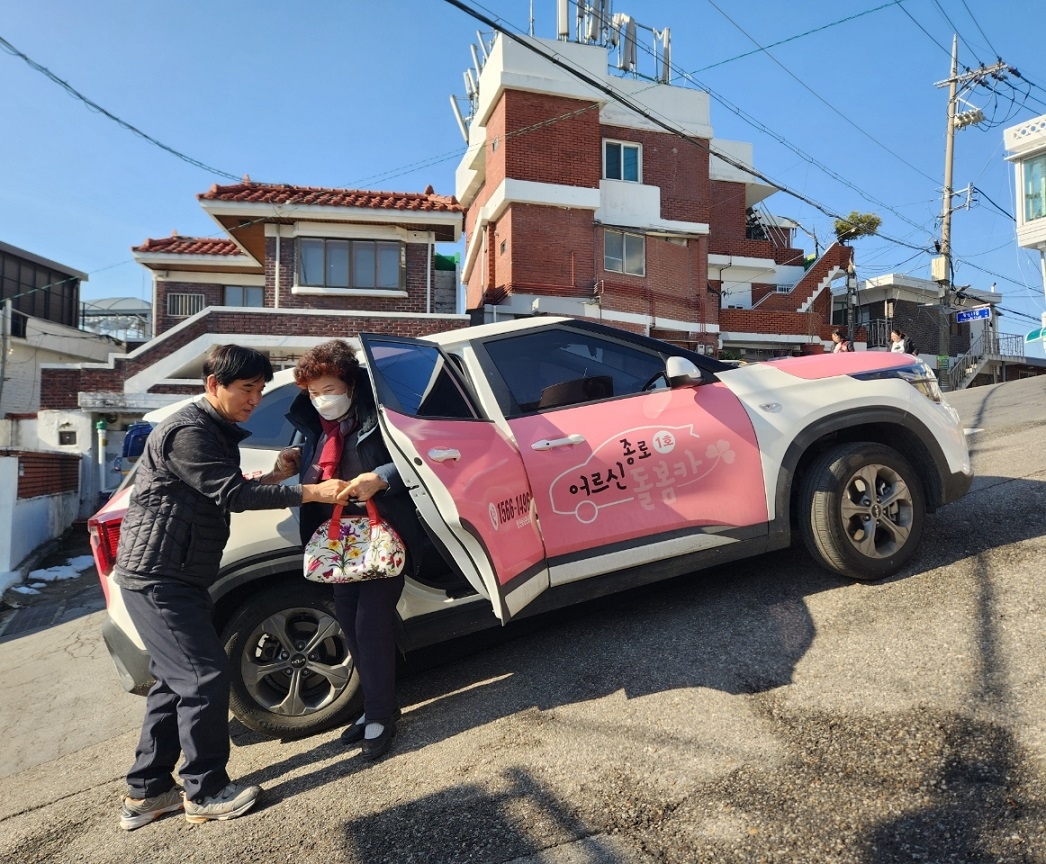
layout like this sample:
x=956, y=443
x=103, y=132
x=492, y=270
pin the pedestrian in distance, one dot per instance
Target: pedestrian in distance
x=841, y=342
x=336, y=414
x=901, y=343
x=171, y=542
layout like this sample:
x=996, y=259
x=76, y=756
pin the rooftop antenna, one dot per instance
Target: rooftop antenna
x=625, y=38
x=663, y=41
x=459, y=118
x=531, y=19
x=563, y=20
x=483, y=44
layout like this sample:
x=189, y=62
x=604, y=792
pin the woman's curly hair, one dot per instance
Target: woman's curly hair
x=337, y=358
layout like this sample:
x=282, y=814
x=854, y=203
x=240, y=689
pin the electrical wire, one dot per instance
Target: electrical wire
x=955, y=30
x=984, y=195
x=797, y=36
x=818, y=96
x=76, y=94
x=920, y=26
x=768, y=131
x=981, y=30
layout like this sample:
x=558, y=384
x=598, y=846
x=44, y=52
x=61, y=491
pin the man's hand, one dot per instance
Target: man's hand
x=328, y=492
x=366, y=485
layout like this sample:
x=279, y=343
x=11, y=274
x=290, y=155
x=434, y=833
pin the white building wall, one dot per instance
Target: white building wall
x=29, y=522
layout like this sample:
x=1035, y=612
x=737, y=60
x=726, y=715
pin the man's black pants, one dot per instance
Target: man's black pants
x=187, y=710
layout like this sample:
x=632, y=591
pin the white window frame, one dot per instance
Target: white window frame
x=621, y=167
x=625, y=237
x=181, y=304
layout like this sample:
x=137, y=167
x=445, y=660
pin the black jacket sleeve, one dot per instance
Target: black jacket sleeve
x=196, y=458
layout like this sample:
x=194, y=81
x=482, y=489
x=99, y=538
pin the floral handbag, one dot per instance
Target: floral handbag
x=354, y=549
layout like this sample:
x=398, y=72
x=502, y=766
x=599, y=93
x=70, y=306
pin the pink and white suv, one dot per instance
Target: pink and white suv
x=552, y=460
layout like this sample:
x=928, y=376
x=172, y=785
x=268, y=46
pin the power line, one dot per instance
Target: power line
x=72, y=91
x=955, y=30
x=818, y=96
x=981, y=30
x=920, y=26
x=1005, y=213
x=797, y=36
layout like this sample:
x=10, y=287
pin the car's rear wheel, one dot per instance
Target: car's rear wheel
x=862, y=510
x=291, y=671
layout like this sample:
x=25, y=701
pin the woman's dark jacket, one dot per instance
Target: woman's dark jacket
x=187, y=481
x=394, y=504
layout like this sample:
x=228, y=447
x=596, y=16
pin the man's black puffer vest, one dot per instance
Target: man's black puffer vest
x=172, y=530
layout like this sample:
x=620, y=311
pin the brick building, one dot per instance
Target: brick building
x=296, y=266
x=579, y=205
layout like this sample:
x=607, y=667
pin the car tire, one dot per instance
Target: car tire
x=862, y=510
x=290, y=668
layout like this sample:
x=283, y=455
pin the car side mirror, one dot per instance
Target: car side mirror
x=681, y=372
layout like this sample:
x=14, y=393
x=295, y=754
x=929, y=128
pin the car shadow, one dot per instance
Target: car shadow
x=739, y=629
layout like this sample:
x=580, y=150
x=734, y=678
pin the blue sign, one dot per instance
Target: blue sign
x=977, y=314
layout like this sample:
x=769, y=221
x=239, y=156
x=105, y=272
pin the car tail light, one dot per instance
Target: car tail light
x=105, y=538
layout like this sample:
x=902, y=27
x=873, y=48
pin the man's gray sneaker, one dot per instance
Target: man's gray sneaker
x=230, y=802
x=135, y=814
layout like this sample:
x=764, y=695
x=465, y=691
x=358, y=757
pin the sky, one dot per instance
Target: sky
x=838, y=99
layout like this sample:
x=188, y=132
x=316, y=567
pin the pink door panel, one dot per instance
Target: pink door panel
x=645, y=465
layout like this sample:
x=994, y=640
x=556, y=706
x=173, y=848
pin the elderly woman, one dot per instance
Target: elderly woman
x=336, y=415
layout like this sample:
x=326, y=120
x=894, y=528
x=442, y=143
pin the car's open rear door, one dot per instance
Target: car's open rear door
x=465, y=475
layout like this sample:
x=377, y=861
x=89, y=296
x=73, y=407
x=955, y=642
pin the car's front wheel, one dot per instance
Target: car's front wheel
x=291, y=671
x=862, y=510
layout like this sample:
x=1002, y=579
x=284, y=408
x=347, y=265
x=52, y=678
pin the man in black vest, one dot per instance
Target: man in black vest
x=171, y=544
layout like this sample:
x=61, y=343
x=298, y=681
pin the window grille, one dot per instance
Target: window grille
x=184, y=305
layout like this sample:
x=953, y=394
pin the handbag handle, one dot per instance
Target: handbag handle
x=372, y=514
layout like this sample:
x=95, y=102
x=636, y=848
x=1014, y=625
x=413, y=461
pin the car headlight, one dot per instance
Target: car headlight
x=918, y=374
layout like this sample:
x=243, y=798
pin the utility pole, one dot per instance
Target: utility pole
x=941, y=267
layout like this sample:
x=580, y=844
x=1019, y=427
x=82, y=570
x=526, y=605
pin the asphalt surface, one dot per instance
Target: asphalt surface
x=762, y=712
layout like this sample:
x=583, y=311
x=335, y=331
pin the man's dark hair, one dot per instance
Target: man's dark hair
x=837, y=332
x=228, y=363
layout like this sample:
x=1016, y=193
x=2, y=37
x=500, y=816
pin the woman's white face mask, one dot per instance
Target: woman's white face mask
x=331, y=406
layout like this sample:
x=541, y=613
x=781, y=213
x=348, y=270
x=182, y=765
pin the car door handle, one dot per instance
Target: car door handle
x=549, y=443
x=442, y=454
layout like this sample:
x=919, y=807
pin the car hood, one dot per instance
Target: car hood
x=816, y=366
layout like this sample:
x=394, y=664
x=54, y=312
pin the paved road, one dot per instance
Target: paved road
x=761, y=712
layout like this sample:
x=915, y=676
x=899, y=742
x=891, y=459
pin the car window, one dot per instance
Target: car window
x=268, y=426
x=416, y=380
x=556, y=367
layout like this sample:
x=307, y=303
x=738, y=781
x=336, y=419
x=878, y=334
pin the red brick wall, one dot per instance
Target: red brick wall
x=549, y=247
x=45, y=473
x=416, y=260
x=680, y=170
x=59, y=387
x=213, y=295
x=758, y=321
x=726, y=214
x=675, y=284
x=565, y=152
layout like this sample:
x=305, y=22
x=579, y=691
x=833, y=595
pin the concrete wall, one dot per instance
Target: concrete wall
x=26, y=523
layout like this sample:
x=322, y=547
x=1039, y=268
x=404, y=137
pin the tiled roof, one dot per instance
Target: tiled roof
x=177, y=245
x=281, y=193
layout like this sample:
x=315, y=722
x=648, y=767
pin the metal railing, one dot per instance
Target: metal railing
x=986, y=347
